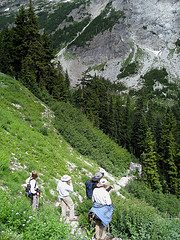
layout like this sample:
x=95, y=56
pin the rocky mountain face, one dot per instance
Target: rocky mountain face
x=145, y=34
x=120, y=40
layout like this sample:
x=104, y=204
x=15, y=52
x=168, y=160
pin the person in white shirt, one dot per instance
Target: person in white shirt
x=101, y=204
x=100, y=195
x=32, y=180
x=65, y=187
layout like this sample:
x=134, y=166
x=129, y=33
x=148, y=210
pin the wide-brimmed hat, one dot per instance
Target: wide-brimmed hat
x=103, y=182
x=65, y=178
x=97, y=176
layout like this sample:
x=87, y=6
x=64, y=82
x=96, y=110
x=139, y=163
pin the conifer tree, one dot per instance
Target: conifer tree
x=139, y=127
x=168, y=154
x=149, y=161
x=127, y=124
x=20, y=40
x=111, y=118
x=6, y=51
x=65, y=92
x=119, y=121
x=33, y=54
x=102, y=89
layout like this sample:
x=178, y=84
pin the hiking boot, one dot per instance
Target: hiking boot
x=75, y=218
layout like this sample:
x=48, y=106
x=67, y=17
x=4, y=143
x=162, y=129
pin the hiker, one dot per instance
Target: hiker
x=65, y=187
x=92, y=183
x=102, y=208
x=32, y=190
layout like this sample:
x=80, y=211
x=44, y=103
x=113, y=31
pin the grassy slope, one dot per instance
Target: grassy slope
x=30, y=141
x=28, y=137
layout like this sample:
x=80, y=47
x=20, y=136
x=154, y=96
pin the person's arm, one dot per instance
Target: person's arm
x=108, y=199
x=93, y=200
x=58, y=186
x=69, y=186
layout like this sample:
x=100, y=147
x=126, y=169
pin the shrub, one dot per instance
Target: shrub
x=4, y=162
x=128, y=70
x=135, y=220
x=16, y=215
x=46, y=225
x=167, y=204
x=87, y=140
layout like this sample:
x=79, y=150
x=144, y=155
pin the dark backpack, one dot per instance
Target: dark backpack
x=90, y=185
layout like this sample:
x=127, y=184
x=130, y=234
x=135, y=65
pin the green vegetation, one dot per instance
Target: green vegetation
x=177, y=43
x=129, y=70
x=136, y=220
x=67, y=34
x=167, y=205
x=18, y=222
x=30, y=142
x=128, y=67
x=34, y=136
x=28, y=138
x=159, y=75
x=60, y=14
x=105, y=21
x=5, y=21
x=25, y=145
x=142, y=124
x=157, y=83
x=27, y=55
x=89, y=141
x=99, y=67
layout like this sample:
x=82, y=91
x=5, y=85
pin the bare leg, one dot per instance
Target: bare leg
x=98, y=229
x=103, y=232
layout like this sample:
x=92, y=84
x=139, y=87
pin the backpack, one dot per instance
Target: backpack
x=90, y=185
x=28, y=189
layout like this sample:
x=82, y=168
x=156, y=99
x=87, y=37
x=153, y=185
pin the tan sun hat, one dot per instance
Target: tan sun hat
x=65, y=178
x=103, y=182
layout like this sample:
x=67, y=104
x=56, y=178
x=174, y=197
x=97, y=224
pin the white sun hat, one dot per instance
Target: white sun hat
x=65, y=178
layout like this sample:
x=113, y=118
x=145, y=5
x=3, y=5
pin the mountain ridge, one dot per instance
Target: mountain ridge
x=123, y=33
x=123, y=42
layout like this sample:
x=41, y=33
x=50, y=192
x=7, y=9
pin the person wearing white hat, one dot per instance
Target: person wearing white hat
x=65, y=187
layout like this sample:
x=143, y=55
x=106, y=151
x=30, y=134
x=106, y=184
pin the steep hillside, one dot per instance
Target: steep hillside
x=29, y=140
